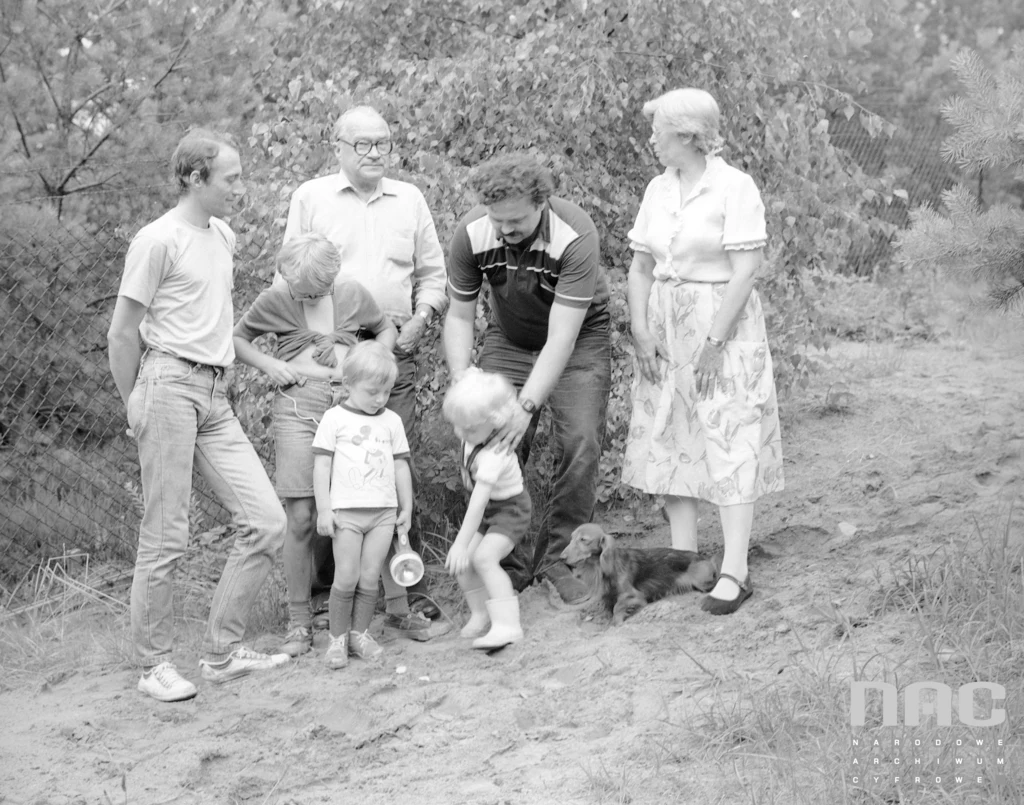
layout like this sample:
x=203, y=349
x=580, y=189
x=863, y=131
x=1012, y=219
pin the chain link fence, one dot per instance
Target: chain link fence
x=69, y=482
x=69, y=479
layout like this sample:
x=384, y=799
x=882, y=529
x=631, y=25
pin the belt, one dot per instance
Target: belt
x=217, y=370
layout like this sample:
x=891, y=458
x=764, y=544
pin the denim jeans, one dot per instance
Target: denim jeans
x=578, y=404
x=181, y=419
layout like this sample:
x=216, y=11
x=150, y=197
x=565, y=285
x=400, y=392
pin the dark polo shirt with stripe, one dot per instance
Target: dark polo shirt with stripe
x=561, y=262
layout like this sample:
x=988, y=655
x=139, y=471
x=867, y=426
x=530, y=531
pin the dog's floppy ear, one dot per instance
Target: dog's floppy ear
x=589, y=534
x=607, y=541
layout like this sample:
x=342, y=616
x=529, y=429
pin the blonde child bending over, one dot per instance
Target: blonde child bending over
x=498, y=514
x=363, y=489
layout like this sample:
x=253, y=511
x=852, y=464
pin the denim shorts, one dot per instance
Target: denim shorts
x=297, y=412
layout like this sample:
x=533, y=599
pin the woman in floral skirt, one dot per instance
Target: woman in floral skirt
x=705, y=422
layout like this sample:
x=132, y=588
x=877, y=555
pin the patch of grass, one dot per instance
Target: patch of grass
x=788, y=738
x=612, y=786
x=43, y=648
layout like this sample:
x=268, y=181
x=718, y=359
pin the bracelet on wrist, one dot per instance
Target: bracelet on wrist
x=716, y=342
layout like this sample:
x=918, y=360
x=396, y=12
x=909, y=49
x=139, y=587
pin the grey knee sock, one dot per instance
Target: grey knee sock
x=363, y=608
x=298, y=614
x=340, y=608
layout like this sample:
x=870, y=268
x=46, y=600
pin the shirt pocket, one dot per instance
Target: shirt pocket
x=400, y=249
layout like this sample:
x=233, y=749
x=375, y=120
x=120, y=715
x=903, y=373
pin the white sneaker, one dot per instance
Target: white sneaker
x=241, y=662
x=165, y=684
x=363, y=646
x=336, y=655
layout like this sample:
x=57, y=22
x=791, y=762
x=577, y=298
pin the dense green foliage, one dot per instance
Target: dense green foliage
x=462, y=81
x=989, y=135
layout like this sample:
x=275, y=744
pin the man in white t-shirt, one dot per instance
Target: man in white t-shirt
x=169, y=343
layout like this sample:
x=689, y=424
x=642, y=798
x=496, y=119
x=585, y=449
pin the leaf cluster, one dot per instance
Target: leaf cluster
x=986, y=244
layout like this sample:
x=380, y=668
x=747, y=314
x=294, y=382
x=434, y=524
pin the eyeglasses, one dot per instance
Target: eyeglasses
x=363, y=147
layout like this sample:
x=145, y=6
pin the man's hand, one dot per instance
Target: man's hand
x=410, y=334
x=511, y=435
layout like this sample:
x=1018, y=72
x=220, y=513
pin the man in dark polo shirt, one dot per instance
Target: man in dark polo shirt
x=548, y=333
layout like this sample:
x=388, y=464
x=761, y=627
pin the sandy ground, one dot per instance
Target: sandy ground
x=892, y=452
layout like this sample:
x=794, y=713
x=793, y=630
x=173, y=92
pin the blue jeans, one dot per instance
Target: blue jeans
x=578, y=404
x=181, y=419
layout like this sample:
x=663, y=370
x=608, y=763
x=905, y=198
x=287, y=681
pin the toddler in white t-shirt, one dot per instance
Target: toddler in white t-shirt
x=363, y=489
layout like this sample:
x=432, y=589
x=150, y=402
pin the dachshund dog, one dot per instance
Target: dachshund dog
x=630, y=578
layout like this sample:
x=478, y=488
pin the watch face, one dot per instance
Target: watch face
x=529, y=406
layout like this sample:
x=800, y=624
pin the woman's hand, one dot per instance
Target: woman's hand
x=457, y=561
x=709, y=370
x=325, y=522
x=648, y=351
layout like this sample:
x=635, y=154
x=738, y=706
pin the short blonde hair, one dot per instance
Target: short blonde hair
x=689, y=111
x=310, y=257
x=478, y=396
x=369, y=361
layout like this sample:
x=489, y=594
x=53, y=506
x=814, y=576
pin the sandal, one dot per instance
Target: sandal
x=720, y=606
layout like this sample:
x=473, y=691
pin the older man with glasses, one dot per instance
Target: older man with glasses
x=388, y=243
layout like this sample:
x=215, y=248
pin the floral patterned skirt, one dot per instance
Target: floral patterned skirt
x=728, y=449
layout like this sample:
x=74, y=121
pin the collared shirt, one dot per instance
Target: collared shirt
x=561, y=262
x=689, y=238
x=388, y=244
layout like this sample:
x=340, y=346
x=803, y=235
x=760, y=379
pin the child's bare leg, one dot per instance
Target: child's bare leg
x=296, y=555
x=347, y=544
x=396, y=597
x=502, y=602
x=375, y=546
x=486, y=561
x=476, y=596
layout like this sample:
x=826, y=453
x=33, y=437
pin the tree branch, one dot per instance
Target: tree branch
x=114, y=126
x=90, y=97
x=818, y=84
x=85, y=187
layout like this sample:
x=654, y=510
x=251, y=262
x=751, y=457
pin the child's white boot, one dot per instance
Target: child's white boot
x=505, y=626
x=479, y=620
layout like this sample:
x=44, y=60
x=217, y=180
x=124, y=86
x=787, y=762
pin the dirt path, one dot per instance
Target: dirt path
x=893, y=452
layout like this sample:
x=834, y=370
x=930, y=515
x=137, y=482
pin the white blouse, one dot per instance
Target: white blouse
x=689, y=239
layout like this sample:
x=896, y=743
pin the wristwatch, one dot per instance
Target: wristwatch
x=425, y=316
x=528, y=405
